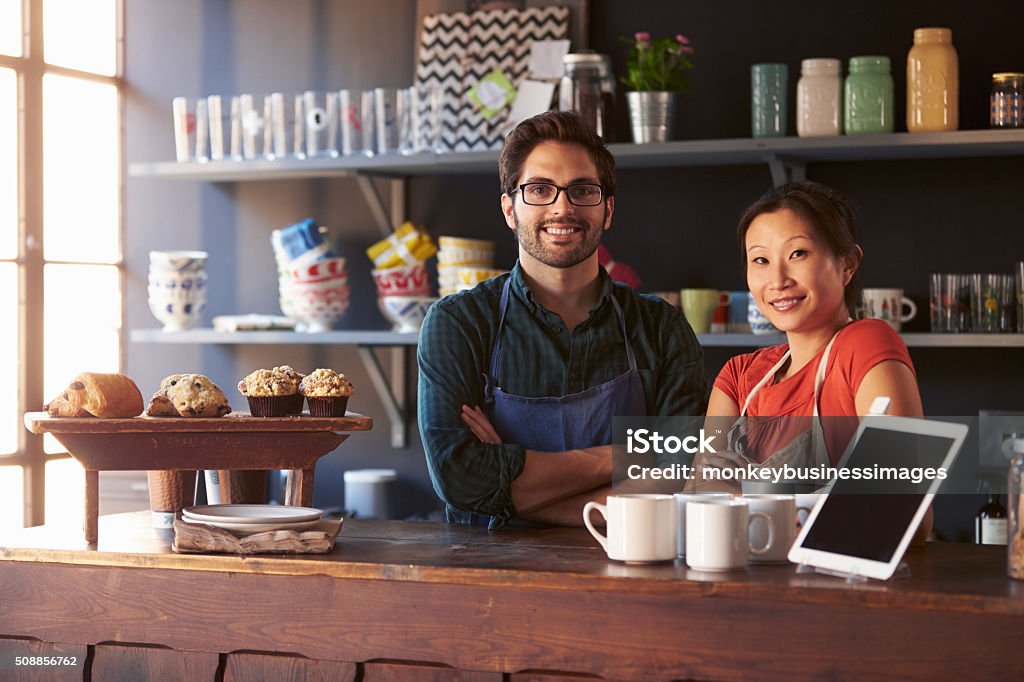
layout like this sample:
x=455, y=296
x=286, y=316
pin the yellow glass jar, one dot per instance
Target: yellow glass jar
x=933, y=82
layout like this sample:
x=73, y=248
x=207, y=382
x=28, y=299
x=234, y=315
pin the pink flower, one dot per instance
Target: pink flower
x=683, y=40
x=642, y=37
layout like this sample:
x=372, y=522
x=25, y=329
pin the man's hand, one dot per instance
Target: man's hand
x=480, y=425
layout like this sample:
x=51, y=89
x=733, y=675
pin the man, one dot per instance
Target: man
x=521, y=376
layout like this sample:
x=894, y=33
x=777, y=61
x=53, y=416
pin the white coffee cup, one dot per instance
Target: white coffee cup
x=805, y=505
x=783, y=512
x=641, y=528
x=888, y=305
x=718, y=534
x=681, y=500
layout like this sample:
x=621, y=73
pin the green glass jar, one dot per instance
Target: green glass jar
x=868, y=96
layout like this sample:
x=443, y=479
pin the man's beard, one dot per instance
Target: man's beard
x=531, y=240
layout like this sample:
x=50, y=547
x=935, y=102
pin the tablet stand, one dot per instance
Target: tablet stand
x=902, y=571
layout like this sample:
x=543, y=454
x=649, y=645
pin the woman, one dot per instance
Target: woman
x=801, y=261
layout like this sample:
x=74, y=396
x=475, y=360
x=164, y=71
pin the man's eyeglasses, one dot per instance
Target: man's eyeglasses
x=546, y=193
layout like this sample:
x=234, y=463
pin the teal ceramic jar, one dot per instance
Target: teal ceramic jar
x=868, y=96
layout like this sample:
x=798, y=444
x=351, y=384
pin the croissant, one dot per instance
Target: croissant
x=91, y=394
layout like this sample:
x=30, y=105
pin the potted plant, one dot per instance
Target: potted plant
x=656, y=73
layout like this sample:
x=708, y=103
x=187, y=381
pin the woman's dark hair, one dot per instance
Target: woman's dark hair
x=826, y=211
x=553, y=126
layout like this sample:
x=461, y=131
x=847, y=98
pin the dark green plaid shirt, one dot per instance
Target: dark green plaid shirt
x=538, y=358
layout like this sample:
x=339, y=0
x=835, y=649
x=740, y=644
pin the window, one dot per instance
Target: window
x=61, y=269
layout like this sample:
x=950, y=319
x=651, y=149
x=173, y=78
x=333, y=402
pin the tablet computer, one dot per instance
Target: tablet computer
x=893, y=467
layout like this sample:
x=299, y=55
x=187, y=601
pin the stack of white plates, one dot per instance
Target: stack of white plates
x=246, y=519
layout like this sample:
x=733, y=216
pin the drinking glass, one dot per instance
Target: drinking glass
x=1018, y=272
x=320, y=122
x=1007, y=303
x=936, y=308
x=419, y=119
x=219, y=121
x=252, y=122
x=385, y=107
x=191, y=128
x=985, y=297
x=356, y=112
x=285, y=130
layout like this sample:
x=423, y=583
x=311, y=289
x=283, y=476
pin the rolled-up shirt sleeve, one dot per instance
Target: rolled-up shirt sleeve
x=466, y=473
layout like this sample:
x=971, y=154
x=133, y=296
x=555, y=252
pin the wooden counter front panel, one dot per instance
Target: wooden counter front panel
x=616, y=635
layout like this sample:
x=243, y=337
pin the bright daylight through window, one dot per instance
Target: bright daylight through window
x=62, y=75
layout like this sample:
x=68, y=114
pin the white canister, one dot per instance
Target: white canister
x=367, y=492
x=819, y=98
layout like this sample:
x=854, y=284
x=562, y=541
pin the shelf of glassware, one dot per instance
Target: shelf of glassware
x=389, y=338
x=725, y=152
x=913, y=340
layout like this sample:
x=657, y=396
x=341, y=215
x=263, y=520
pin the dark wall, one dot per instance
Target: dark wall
x=676, y=226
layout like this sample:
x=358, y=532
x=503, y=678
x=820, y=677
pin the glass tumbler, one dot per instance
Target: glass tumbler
x=386, y=124
x=320, y=122
x=356, y=114
x=985, y=298
x=1018, y=276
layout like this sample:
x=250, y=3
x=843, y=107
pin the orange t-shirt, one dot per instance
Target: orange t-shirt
x=860, y=346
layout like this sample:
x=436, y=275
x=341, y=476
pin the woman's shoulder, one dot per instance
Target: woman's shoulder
x=865, y=343
x=870, y=338
x=871, y=332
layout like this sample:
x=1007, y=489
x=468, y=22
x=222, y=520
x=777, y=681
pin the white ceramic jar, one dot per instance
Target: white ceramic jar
x=818, y=98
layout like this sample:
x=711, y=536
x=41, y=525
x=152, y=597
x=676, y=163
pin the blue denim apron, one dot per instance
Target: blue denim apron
x=556, y=424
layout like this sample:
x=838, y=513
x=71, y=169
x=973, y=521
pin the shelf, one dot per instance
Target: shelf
x=788, y=151
x=337, y=338
x=922, y=340
x=386, y=338
x=926, y=340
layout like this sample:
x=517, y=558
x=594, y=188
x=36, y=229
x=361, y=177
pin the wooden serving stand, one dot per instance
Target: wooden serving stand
x=237, y=441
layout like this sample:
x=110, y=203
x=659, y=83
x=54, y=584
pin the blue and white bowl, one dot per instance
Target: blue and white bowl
x=177, y=315
x=406, y=313
x=177, y=261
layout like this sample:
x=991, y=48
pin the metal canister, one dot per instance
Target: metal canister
x=1007, y=100
x=588, y=88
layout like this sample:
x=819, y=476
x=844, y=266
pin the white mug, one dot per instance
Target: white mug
x=783, y=512
x=681, y=500
x=888, y=305
x=759, y=324
x=641, y=528
x=718, y=534
x=805, y=505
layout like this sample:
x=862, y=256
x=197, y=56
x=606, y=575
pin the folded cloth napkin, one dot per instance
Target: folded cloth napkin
x=192, y=538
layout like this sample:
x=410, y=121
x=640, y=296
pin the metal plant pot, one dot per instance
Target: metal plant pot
x=652, y=115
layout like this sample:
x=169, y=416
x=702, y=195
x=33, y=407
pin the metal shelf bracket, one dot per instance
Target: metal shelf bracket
x=394, y=393
x=387, y=219
x=786, y=169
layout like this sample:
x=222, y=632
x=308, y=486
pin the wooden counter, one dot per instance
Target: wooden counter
x=421, y=601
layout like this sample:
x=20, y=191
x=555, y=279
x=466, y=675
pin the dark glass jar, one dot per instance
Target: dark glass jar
x=1007, y=100
x=588, y=88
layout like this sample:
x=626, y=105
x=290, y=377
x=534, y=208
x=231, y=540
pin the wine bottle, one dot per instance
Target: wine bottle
x=990, y=522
